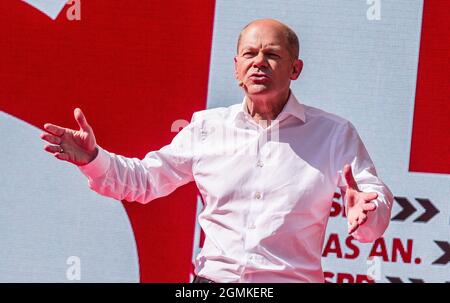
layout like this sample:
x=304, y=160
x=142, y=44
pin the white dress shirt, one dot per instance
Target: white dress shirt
x=267, y=190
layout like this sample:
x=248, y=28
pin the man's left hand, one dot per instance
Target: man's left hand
x=357, y=203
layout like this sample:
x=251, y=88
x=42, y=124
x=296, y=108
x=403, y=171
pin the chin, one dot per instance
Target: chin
x=258, y=89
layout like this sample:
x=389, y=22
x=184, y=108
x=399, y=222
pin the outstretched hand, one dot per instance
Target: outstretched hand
x=358, y=203
x=76, y=146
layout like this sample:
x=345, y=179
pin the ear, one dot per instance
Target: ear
x=297, y=68
x=235, y=68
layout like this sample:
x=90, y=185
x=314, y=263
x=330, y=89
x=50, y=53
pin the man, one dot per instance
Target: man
x=267, y=170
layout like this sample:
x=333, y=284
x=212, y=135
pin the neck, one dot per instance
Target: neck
x=266, y=107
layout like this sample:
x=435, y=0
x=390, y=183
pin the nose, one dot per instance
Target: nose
x=259, y=60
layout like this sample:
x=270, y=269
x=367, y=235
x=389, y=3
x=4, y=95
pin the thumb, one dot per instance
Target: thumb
x=81, y=120
x=348, y=175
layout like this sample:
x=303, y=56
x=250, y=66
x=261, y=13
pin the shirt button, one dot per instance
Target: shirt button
x=203, y=134
x=258, y=195
x=260, y=163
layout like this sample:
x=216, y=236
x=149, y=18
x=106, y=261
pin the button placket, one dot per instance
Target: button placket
x=255, y=199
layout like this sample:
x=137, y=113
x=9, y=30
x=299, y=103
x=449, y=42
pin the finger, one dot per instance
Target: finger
x=369, y=206
x=51, y=138
x=52, y=148
x=348, y=175
x=81, y=120
x=54, y=129
x=362, y=219
x=369, y=196
x=353, y=227
x=62, y=156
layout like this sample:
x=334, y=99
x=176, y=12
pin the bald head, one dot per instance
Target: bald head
x=291, y=37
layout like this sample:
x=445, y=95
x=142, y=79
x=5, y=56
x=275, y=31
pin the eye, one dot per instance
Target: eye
x=248, y=54
x=273, y=55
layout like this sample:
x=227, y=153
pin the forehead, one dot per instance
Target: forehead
x=263, y=36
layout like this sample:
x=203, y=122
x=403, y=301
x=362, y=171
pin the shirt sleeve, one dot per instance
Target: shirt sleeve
x=351, y=150
x=158, y=174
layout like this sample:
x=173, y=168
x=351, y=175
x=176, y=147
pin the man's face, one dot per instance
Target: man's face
x=263, y=63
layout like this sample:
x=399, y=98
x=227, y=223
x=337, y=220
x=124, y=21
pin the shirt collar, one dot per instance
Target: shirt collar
x=291, y=108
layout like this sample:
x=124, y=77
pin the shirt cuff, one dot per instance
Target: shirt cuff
x=97, y=167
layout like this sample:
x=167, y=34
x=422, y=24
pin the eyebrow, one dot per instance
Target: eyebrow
x=273, y=48
x=270, y=47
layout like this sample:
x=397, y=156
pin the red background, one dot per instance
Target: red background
x=134, y=67
x=430, y=143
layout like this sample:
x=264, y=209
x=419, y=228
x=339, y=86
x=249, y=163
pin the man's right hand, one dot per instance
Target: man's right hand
x=76, y=146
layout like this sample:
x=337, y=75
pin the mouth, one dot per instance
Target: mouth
x=259, y=76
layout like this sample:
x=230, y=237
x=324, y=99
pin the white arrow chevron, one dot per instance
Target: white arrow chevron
x=51, y=8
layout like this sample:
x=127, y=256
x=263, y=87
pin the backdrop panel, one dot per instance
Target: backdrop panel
x=135, y=67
